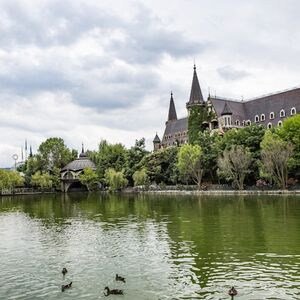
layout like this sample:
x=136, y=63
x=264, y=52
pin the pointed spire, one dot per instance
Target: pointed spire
x=156, y=139
x=172, y=111
x=82, y=148
x=226, y=110
x=22, y=154
x=196, y=94
x=30, y=151
x=82, y=154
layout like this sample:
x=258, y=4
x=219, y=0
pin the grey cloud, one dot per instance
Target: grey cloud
x=231, y=73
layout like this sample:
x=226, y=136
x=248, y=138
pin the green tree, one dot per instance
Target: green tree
x=109, y=156
x=134, y=156
x=234, y=165
x=249, y=137
x=208, y=143
x=140, y=178
x=53, y=153
x=89, y=178
x=191, y=163
x=276, y=154
x=115, y=180
x=290, y=132
x=161, y=165
x=42, y=180
x=10, y=179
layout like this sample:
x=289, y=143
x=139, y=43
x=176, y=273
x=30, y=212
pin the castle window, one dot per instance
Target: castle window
x=282, y=113
x=269, y=125
x=243, y=123
x=293, y=111
x=248, y=122
x=237, y=122
x=256, y=118
x=272, y=115
x=279, y=123
x=262, y=117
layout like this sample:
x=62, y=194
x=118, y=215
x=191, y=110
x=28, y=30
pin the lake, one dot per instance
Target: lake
x=167, y=247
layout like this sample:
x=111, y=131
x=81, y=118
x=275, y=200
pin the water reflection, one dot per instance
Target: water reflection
x=182, y=247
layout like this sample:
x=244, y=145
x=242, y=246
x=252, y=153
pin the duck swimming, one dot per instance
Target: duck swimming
x=120, y=278
x=112, y=292
x=232, y=292
x=64, y=271
x=67, y=286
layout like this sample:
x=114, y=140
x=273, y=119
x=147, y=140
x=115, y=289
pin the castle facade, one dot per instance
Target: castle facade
x=221, y=114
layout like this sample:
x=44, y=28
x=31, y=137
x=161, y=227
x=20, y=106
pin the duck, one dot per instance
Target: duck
x=120, y=278
x=67, y=286
x=112, y=292
x=64, y=271
x=232, y=292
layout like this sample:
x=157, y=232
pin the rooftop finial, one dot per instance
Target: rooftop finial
x=82, y=149
x=171, y=93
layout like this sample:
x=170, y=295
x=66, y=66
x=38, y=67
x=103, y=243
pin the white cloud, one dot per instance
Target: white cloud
x=88, y=69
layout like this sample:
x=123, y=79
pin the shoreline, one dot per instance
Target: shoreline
x=179, y=192
x=224, y=192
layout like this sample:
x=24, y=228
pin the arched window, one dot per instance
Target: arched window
x=243, y=123
x=269, y=125
x=248, y=122
x=279, y=123
x=282, y=113
x=237, y=122
x=293, y=111
x=272, y=115
x=262, y=117
x=256, y=118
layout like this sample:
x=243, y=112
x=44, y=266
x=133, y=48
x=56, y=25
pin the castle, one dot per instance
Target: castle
x=221, y=114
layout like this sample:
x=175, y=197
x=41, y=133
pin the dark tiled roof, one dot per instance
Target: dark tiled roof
x=156, y=139
x=236, y=107
x=172, y=111
x=196, y=94
x=226, y=110
x=247, y=110
x=173, y=127
x=79, y=164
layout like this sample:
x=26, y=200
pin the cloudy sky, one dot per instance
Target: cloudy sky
x=87, y=70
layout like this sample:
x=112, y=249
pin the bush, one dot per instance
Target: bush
x=140, y=178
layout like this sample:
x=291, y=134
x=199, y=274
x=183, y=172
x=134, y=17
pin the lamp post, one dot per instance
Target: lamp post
x=15, y=158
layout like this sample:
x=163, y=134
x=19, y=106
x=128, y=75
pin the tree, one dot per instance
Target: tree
x=161, y=165
x=10, y=179
x=115, y=180
x=140, y=177
x=89, y=178
x=250, y=137
x=108, y=156
x=42, y=180
x=208, y=144
x=191, y=163
x=53, y=153
x=234, y=165
x=133, y=157
x=276, y=154
x=290, y=132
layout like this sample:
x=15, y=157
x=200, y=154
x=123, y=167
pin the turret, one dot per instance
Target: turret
x=172, y=116
x=156, y=142
x=225, y=119
x=196, y=97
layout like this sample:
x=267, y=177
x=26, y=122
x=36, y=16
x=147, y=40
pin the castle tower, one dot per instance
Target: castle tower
x=172, y=116
x=198, y=113
x=156, y=143
x=196, y=97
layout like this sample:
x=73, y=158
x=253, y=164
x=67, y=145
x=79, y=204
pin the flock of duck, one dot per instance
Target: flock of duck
x=107, y=290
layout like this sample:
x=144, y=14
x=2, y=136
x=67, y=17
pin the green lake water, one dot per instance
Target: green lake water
x=167, y=247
